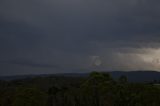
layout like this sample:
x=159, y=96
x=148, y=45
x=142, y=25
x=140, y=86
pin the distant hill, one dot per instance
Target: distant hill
x=138, y=76
x=133, y=76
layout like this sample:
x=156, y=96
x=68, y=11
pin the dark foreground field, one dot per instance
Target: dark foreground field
x=97, y=89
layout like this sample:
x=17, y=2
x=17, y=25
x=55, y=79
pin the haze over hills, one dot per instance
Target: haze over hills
x=133, y=76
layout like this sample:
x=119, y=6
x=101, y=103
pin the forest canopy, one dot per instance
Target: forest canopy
x=98, y=89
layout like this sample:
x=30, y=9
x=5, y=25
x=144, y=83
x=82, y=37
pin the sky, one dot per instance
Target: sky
x=63, y=36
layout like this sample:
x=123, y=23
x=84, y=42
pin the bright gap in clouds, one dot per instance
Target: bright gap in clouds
x=141, y=59
x=127, y=59
x=152, y=57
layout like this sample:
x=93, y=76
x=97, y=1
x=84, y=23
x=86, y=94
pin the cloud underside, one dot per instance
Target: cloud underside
x=79, y=34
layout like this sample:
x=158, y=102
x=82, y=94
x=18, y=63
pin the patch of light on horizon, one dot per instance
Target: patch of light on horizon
x=152, y=57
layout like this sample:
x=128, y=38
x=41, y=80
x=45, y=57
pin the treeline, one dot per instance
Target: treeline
x=99, y=89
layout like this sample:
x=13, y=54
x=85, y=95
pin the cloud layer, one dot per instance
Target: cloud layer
x=69, y=34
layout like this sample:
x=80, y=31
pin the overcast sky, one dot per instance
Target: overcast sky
x=55, y=36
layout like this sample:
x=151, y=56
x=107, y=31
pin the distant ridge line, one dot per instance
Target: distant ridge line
x=133, y=76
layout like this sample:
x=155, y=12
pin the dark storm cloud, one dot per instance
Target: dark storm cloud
x=29, y=64
x=69, y=33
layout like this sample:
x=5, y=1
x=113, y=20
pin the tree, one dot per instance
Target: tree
x=97, y=87
x=29, y=97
